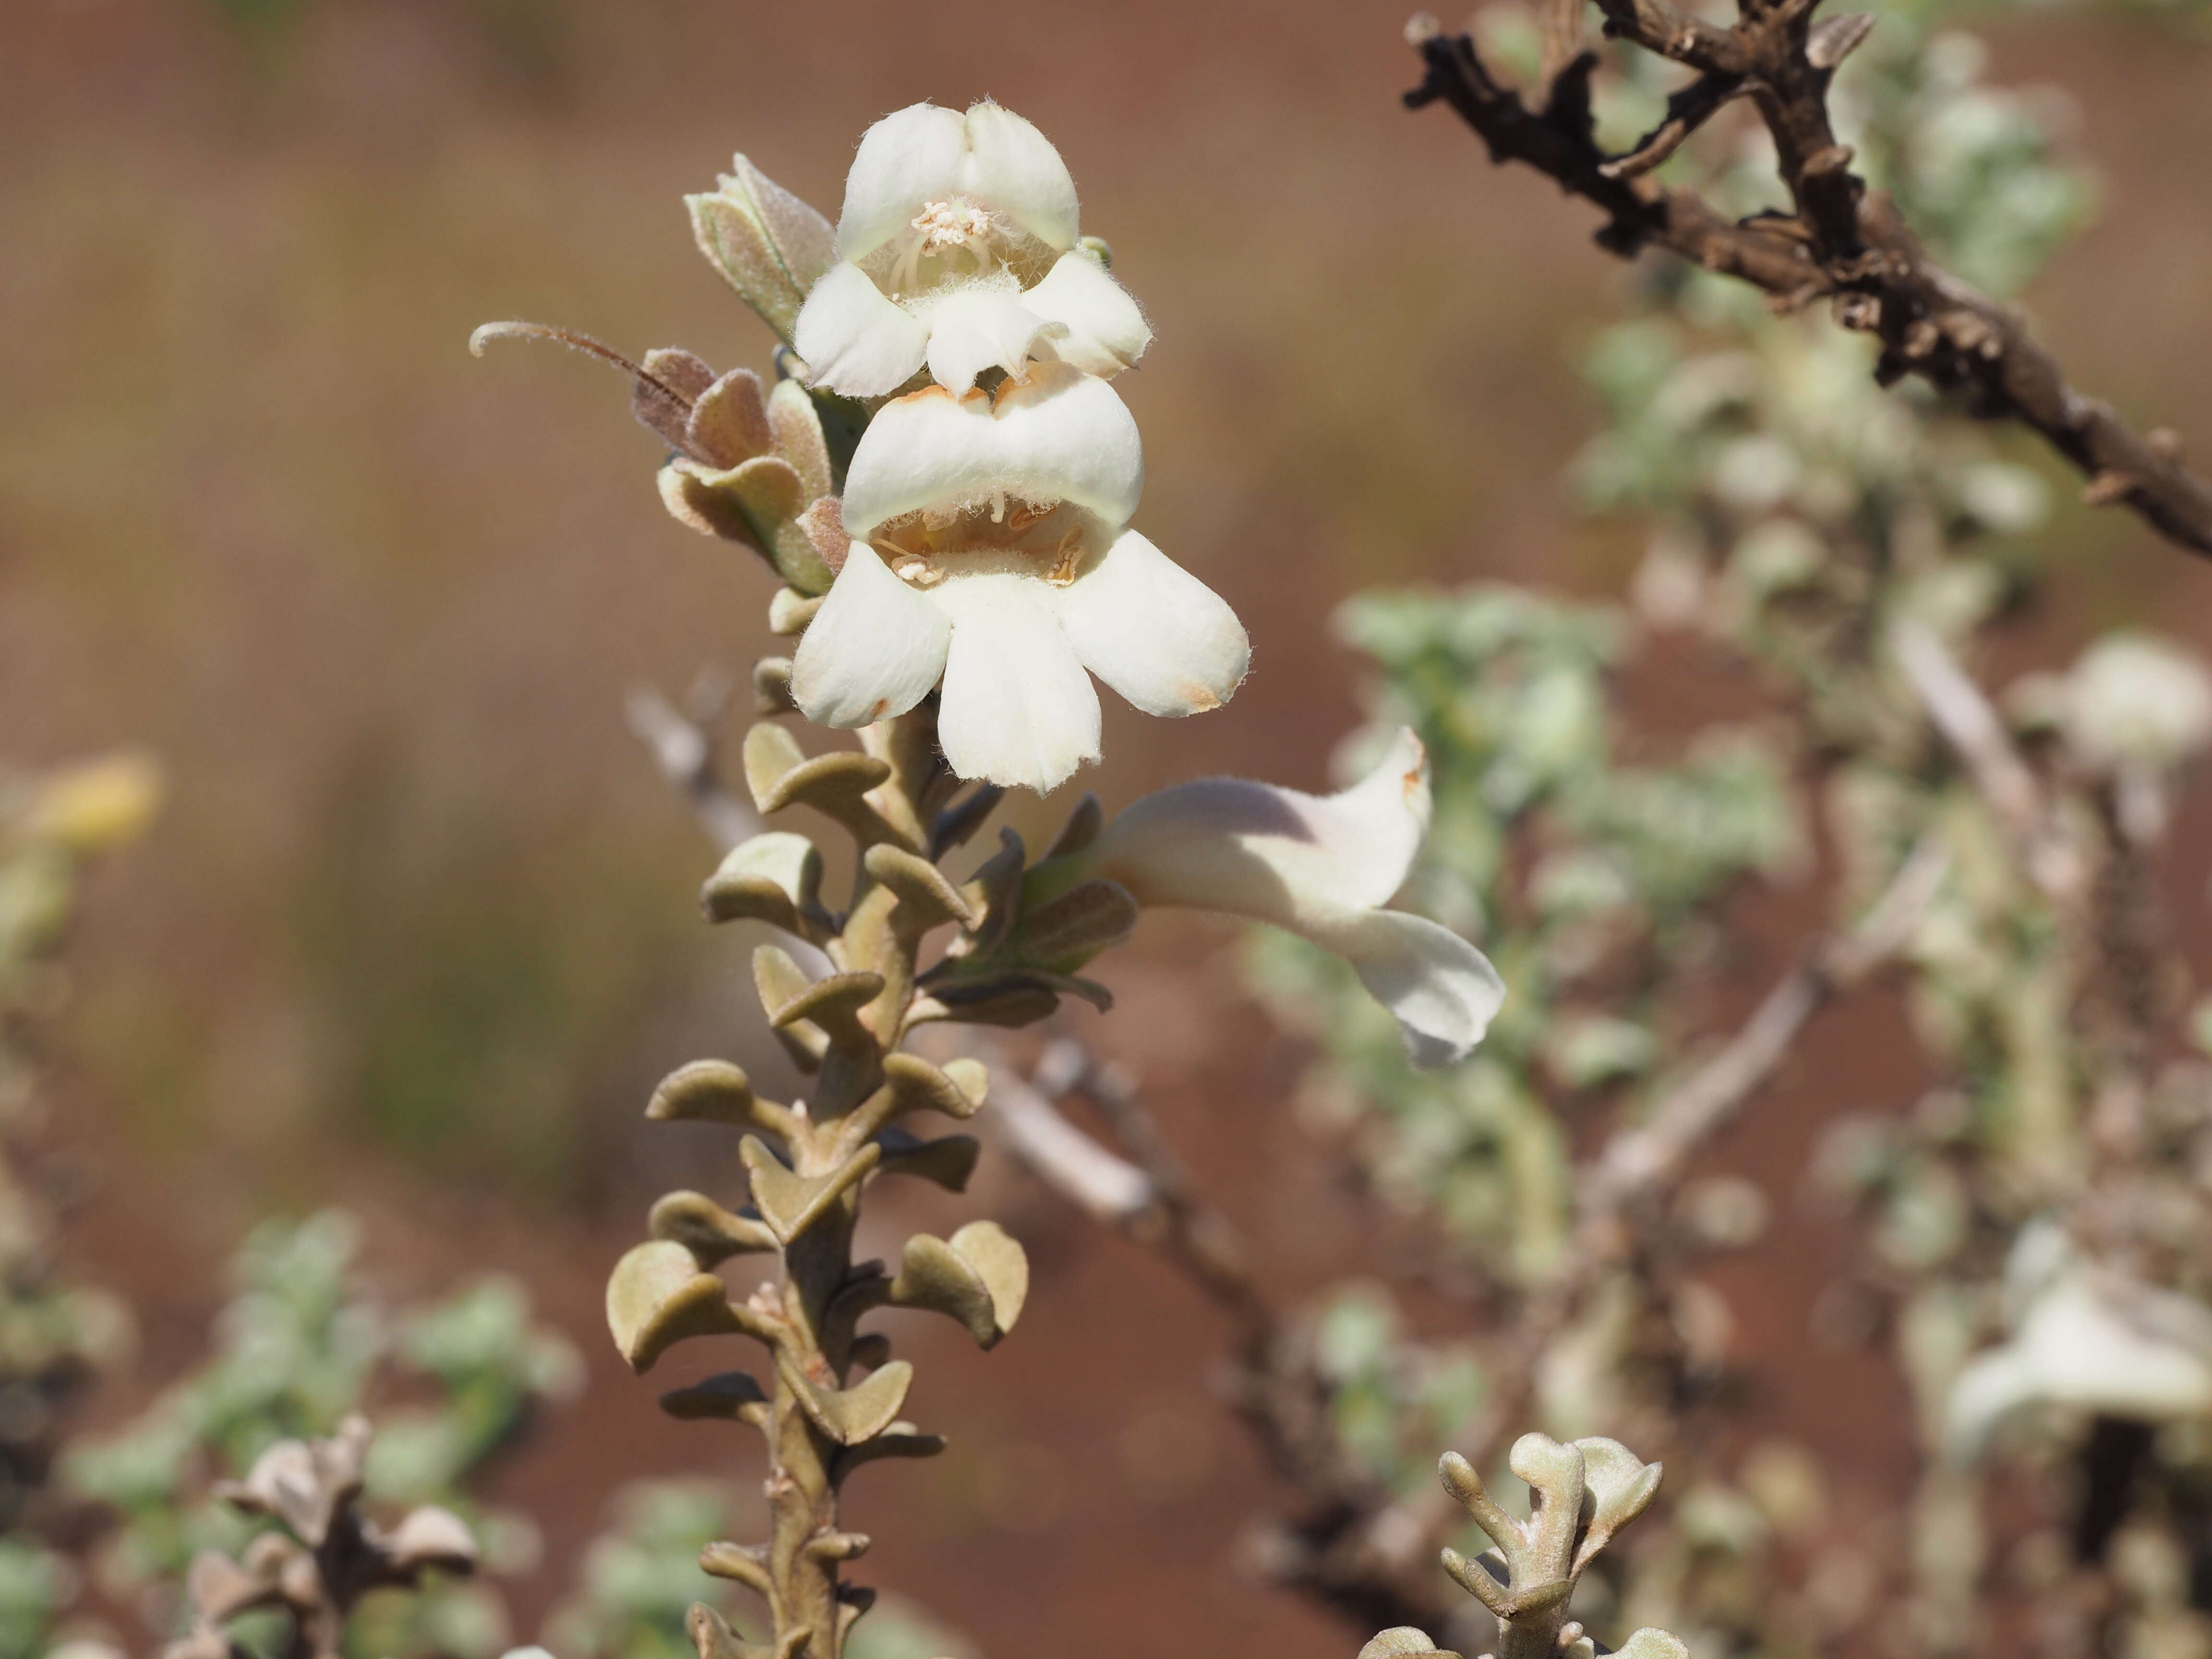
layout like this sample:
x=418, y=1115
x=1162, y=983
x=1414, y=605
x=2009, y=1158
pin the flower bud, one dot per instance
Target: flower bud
x=767, y=244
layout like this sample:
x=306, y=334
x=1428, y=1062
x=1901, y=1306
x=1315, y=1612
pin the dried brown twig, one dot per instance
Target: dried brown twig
x=1843, y=243
x=323, y=1557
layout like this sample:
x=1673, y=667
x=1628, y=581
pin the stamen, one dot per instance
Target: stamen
x=955, y=221
x=1069, y=552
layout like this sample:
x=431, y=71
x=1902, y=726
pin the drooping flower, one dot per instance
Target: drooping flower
x=1322, y=866
x=989, y=549
x=2085, y=1338
x=957, y=247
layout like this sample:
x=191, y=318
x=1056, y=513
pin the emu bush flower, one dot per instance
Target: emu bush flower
x=957, y=247
x=989, y=548
x=1320, y=866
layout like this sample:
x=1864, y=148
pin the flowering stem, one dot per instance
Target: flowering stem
x=810, y=1163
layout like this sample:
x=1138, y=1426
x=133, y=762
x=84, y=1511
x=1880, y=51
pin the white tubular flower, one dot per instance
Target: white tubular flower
x=989, y=549
x=1322, y=866
x=958, y=248
x=2093, y=1342
x=2136, y=700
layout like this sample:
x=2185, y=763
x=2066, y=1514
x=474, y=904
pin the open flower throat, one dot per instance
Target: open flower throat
x=953, y=244
x=1057, y=541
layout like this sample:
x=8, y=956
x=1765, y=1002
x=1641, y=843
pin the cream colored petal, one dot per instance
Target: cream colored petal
x=1017, y=709
x=1059, y=436
x=874, y=649
x=916, y=155
x=978, y=329
x=855, y=339
x=1106, y=332
x=1442, y=992
x=1320, y=867
x=1301, y=861
x=1154, y=632
x=1013, y=167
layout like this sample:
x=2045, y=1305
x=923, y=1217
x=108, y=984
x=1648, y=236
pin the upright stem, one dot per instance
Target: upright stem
x=810, y=1162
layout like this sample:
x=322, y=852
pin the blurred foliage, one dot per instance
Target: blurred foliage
x=641, y=1577
x=298, y=1348
x=54, y=1336
x=1796, y=517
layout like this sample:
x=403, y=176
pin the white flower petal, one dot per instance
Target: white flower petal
x=1013, y=167
x=981, y=329
x=2094, y=1344
x=873, y=650
x=1154, y=632
x=1106, y=332
x=1059, y=436
x=1018, y=707
x=1320, y=867
x=855, y=338
x=1301, y=861
x=1443, y=991
x=913, y=156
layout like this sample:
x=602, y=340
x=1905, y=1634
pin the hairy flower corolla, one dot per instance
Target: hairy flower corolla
x=958, y=248
x=989, y=549
x=1322, y=866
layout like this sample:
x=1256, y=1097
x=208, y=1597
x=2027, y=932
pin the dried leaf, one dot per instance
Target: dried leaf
x=432, y=1537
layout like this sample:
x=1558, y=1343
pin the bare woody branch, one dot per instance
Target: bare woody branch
x=1843, y=243
x=682, y=742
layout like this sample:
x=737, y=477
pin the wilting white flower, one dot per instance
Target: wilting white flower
x=2136, y=700
x=957, y=247
x=1322, y=866
x=2088, y=1340
x=989, y=549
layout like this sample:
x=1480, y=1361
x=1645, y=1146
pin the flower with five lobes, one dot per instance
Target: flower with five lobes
x=989, y=548
x=958, y=248
x=1321, y=866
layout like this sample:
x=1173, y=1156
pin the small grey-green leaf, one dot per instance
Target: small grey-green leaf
x=947, y=1161
x=925, y=896
x=728, y=424
x=726, y=1395
x=710, y=1089
x=790, y=1203
x=657, y=1297
x=1397, y=1643
x=852, y=1415
x=703, y=1227
x=1003, y=1265
x=933, y=1275
x=774, y=878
